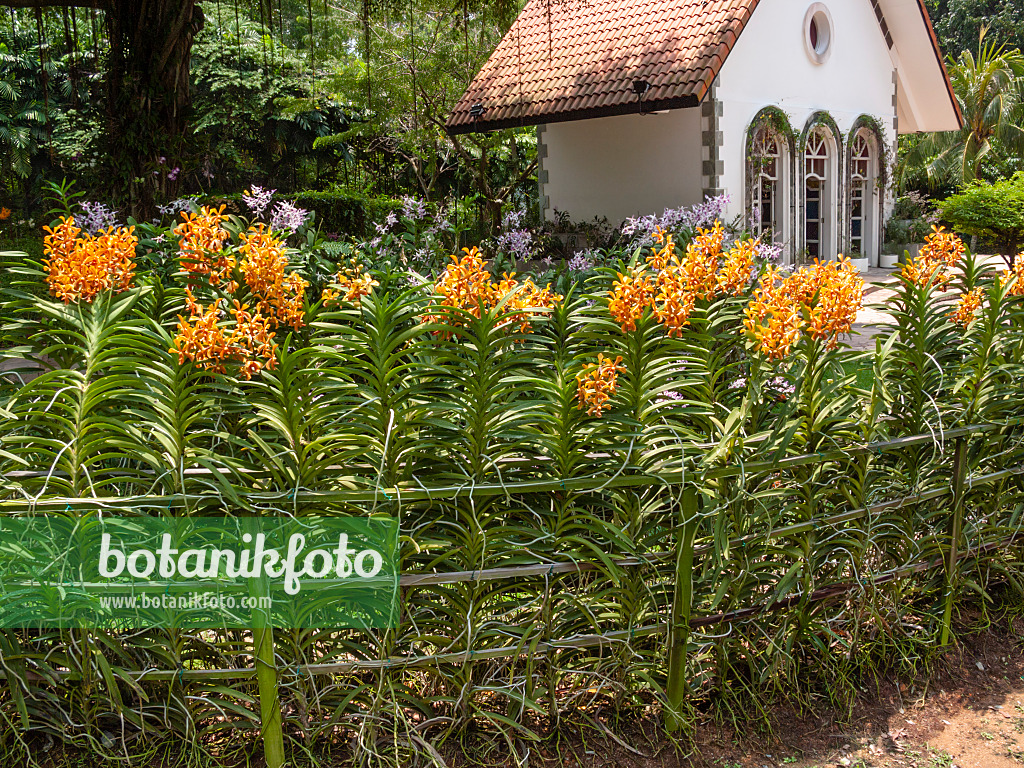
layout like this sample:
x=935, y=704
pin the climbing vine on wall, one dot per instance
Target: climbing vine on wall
x=886, y=153
x=770, y=123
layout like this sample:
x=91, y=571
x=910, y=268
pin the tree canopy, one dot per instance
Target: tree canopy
x=992, y=211
x=960, y=23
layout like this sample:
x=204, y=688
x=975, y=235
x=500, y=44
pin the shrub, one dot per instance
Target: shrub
x=345, y=213
x=911, y=219
x=994, y=212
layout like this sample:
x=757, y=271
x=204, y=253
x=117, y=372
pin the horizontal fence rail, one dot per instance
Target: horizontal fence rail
x=548, y=569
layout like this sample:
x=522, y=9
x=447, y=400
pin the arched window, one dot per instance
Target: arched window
x=769, y=179
x=862, y=198
x=767, y=219
x=817, y=195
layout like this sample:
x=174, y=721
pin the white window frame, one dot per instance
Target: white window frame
x=769, y=166
x=863, y=175
x=818, y=174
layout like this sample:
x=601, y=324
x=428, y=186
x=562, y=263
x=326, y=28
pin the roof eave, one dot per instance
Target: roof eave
x=942, y=62
x=482, y=125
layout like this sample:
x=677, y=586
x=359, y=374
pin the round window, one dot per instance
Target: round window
x=818, y=32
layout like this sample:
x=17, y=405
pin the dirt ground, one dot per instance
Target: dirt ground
x=969, y=715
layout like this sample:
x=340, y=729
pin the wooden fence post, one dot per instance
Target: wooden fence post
x=679, y=626
x=956, y=524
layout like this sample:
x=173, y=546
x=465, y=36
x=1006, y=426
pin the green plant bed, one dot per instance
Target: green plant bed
x=861, y=371
x=32, y=245
x=595, y=493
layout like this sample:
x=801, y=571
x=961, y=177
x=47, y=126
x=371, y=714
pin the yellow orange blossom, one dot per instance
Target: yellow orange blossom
x=526, y=296
x=201, y=246
x=821, y=300
x=838, y=295
x=674, y=302
x=738, y=267
x=941, y=252
x=700, y=266
x=280, y=294
x=966, y=308
x=631, y=294
x=943, y=246
x=670, y=299
x=675, y=284
x=202, y=339
x=1017, y=275
x=353, y=281
x=247, y=340
x=5, y=214
x=80, y=267
x=467, y=285
x=597, y=383
x=773, y=320
x=659, y=259
x=60, y=243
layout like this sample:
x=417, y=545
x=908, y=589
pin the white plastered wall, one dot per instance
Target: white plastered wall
x=770, y=66
x=618, y=167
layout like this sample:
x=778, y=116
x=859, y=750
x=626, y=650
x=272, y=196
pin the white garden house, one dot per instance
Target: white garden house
x=790, y=107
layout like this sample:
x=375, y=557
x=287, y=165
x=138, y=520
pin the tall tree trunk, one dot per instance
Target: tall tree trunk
x=149, y=97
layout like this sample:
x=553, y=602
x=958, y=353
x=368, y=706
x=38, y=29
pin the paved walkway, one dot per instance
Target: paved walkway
x=17, y=370
x=880, y=286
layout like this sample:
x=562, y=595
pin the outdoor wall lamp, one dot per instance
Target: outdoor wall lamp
x=476, y=111
x=640, y=88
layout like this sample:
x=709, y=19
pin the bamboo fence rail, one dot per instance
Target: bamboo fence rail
x=687, y=551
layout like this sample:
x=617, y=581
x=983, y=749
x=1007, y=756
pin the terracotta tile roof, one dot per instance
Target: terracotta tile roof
x=575, y=59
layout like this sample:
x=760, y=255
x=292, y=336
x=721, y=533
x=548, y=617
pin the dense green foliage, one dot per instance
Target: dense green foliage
x=352, y=98
x=343, y=212
x=960, y=23
x=987, y=83
x=992, y=211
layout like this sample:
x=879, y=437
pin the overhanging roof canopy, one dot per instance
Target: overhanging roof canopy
x=924, y=95
x=564, y=60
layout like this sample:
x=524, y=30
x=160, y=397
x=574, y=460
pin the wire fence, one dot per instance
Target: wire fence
x=682, y=555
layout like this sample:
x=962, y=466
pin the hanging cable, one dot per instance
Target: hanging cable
x=366, y=43
x=412, y=68
x=312, y=57
x=95, y=38
x=74, y=56
x=465, y=31
x=280, y=23
x=238, y=41
x=263, y=41
x=46, y=81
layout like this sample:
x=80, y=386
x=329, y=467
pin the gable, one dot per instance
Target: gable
x=773, y=64
x=925, y=99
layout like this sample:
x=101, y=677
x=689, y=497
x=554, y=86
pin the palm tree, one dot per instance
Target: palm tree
x=22, y=113
x=989, y=88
